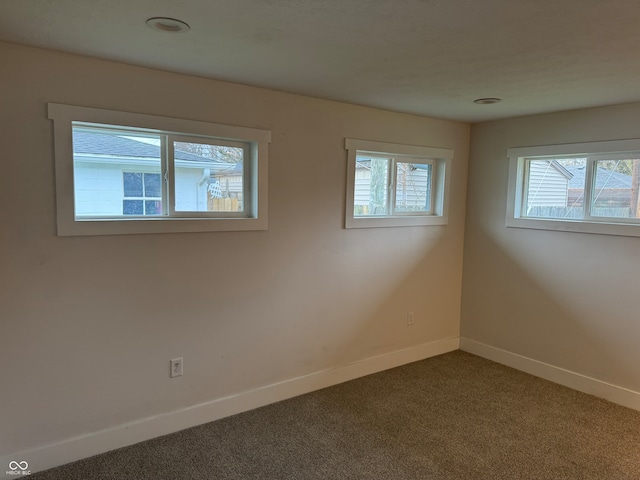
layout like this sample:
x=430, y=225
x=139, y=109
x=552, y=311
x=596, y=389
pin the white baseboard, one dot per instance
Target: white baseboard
x=598, y=388
x=72, y=449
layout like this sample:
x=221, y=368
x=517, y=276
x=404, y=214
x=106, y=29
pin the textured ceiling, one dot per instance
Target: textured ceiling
x=429, y=57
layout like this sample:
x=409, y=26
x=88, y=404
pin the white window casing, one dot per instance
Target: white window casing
x=436, y=160
x=586, y=219
x=255, y=142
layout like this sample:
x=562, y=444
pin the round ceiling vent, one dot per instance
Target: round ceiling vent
x=487, y=101
x=169, y=25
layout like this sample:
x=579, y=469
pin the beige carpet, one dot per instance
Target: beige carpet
x=451, y=417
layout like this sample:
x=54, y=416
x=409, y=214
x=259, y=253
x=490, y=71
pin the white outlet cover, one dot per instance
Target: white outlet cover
x=176, y=367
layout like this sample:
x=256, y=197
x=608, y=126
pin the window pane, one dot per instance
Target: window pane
x=413, y=187
x=555, y=188
x=615, y=192
x=371, y=186
x=152, y=207
x=209, y=177
x=132, y=184
x=152, y=185
x=108, y=168
x=132, y=207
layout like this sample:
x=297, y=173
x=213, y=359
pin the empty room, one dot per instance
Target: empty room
x=320, y=239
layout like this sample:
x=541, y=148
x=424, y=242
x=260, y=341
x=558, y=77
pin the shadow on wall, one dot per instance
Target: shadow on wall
x=538, y=297
x=363, y=312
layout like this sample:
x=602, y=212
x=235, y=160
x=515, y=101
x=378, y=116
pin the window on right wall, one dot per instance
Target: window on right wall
x=392, y=185
x=588, y=187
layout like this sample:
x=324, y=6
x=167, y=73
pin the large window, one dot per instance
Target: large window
x=156, y=174
x=590, y=188
x=396, y=185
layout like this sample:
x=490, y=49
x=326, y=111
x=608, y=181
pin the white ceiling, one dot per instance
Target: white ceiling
x=429, y=57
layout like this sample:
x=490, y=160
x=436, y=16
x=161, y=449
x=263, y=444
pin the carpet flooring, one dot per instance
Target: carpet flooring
x=451, y=417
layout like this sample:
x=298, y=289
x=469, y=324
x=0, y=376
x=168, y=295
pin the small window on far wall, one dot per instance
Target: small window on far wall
x=156, y=174
x=588, y=188
x=142, y=193
x=392, y=185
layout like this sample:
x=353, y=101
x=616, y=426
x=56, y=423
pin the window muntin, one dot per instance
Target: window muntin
x=589, y=188
x=90, y=178
x=396, y=185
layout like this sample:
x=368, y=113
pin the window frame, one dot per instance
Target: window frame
x=246, y=176
x=393, y=200
x=255, y=176
x=439, y=158
x=593, y=152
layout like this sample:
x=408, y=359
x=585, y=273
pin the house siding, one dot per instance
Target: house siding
x=547, y=185
x=407, y=192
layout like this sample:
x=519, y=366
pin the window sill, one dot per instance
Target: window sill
x=158, y=225
x=598, y=228
x=391, y=221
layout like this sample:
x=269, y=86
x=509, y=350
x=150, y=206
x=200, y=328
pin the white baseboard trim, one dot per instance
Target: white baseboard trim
x=592, y=386
x=72, y=449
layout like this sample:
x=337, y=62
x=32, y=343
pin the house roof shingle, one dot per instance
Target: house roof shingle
x=604, y=178
x=96, y=143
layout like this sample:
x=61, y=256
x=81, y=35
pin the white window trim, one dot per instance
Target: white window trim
x=516, y=188
x=68, y=225
x=441, y=158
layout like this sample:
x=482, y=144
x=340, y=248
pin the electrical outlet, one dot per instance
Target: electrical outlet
x=410, y=319
x=176, y=367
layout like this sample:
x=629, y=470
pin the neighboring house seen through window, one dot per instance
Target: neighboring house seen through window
x=103, y=154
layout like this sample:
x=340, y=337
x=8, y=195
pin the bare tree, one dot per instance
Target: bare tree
x=220, y=153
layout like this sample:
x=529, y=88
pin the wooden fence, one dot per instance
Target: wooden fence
x=577, y=212
x=223, y=204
